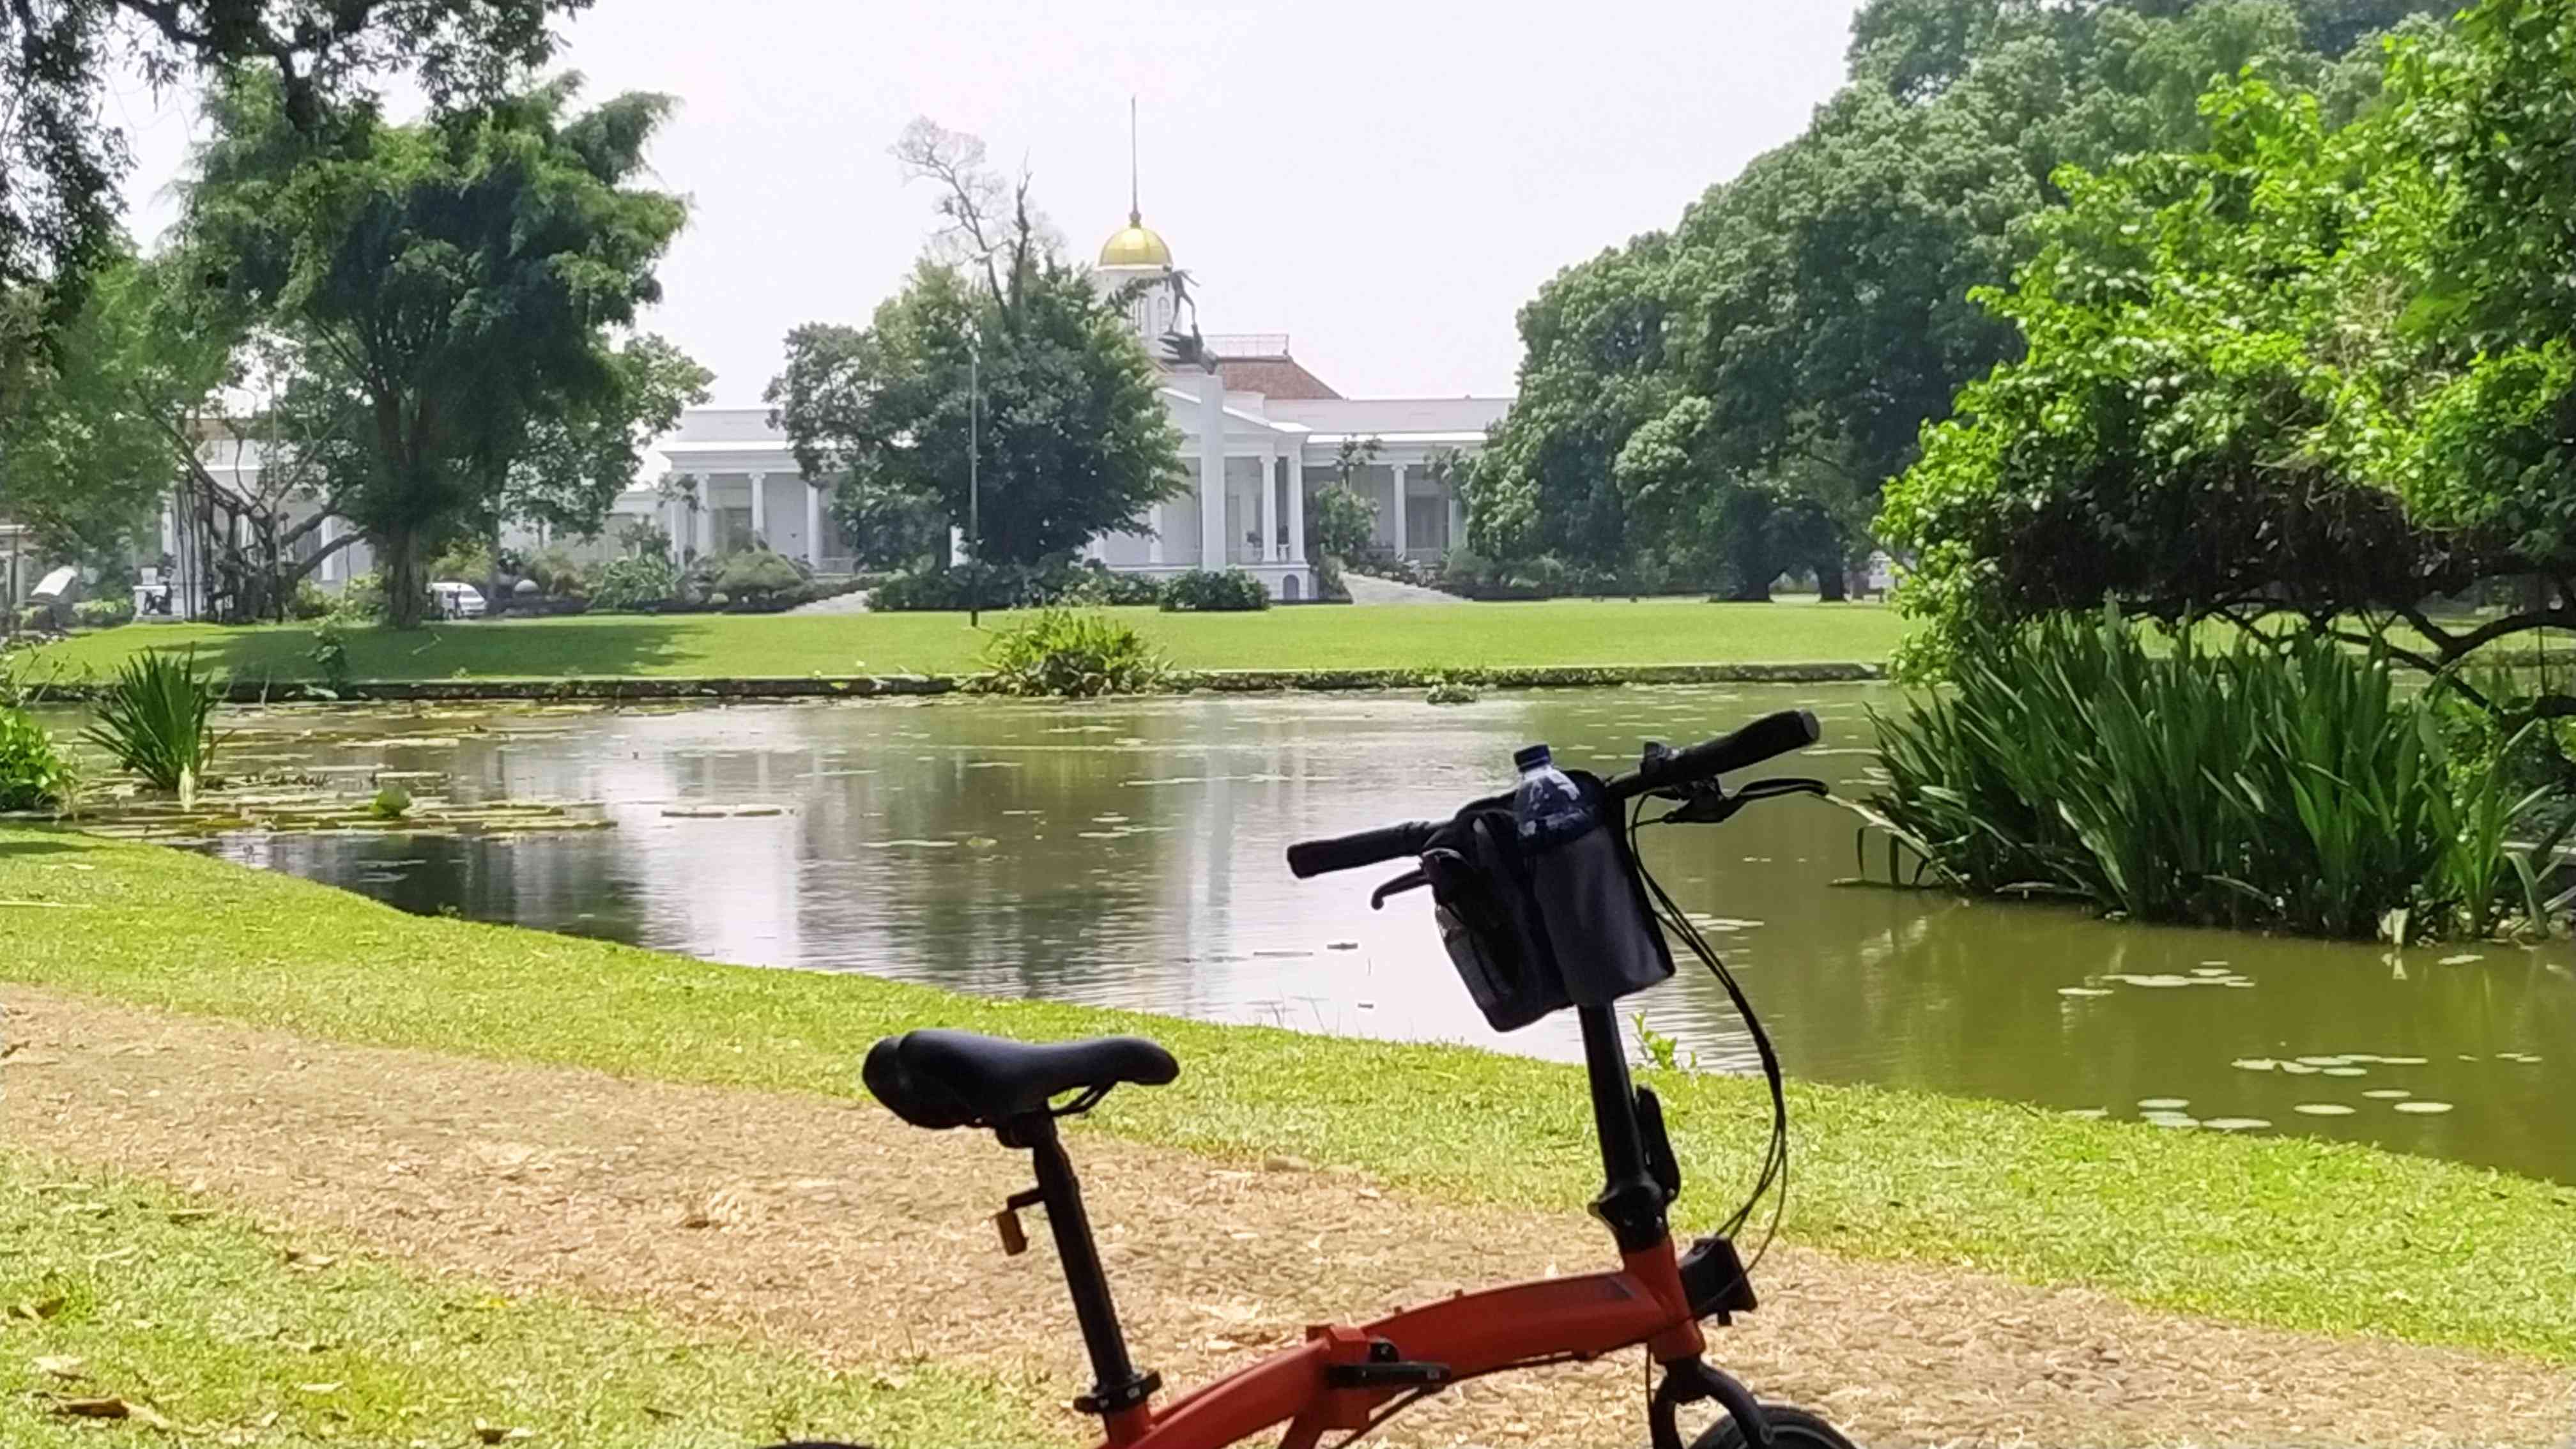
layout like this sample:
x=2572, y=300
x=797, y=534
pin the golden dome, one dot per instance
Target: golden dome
x=1135, y=245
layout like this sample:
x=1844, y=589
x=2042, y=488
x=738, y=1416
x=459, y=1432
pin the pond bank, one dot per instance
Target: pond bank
x=2293, y=1233
x=242, y=690
x=845, y=1235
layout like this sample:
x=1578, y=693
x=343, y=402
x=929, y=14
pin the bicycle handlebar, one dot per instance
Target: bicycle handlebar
x=1774, y=734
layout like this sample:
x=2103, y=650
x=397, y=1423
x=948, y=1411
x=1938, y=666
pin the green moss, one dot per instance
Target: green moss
x=2278, y=1230
x=199, y=1320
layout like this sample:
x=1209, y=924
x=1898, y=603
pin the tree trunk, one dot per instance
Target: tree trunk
x=1829, y=580
x=405, y=591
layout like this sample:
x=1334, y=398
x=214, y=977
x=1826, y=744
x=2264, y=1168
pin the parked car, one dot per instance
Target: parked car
x=457, y=601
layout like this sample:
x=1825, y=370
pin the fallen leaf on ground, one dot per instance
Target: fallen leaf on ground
x=332, y=1387
x=497, y=1434
x=62, y=1366
x=110, y=1407
x=34, y=1309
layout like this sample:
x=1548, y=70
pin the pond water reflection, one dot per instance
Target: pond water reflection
x=1129, y=854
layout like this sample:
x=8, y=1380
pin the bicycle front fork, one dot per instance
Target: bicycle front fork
x=1690, y=1380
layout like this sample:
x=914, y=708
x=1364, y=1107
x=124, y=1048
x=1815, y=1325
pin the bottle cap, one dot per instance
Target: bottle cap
x=1531, y=757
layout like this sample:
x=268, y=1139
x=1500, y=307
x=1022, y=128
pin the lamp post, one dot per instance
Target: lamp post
x=974, y=481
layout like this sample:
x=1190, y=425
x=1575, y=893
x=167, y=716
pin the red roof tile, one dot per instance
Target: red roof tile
x=1279, y=377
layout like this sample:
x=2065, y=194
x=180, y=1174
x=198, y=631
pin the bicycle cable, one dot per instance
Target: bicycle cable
x=1773, y=1180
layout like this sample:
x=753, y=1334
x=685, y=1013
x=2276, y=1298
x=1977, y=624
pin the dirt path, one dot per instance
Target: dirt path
x=834, y=1227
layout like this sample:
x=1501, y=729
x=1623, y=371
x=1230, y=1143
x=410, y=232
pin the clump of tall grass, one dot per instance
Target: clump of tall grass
x=1067, y=654
x=2285, y=784
x=153, y=720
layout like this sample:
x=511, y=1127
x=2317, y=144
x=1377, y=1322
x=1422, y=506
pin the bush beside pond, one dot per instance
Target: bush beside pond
x=2283, y=784
x=1064, y=654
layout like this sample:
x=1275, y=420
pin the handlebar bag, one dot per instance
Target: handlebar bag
x=1531, y=933
x=1489, y=918
x=1591, y=900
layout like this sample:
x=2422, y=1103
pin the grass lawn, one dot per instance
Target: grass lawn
x=200, y=1323
x=2282, y=1230
x=1446, y=636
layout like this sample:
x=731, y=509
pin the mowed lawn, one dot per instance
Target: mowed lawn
x=1416, y=636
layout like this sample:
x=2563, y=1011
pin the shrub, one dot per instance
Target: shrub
x=310, y=601
x=393, y=802
x=152, y=720
x=103, y=613
x=36, y=618
x=362, y=600
x=556, y=573
x=1066, y=654
x=330, y=654
x=2284, y=783
x=1005, y=586
x=1341, y=523
x=33, y=775
x=635, y=584
x=757, y=576
x=1210, y=591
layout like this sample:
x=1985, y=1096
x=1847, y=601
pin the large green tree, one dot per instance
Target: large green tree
x=450, y=301
x=1073, y=440
x=61, y=158
x=2331, y=369
x=1741, y=388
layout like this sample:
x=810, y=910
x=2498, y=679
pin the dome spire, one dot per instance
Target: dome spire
x=1136, y=244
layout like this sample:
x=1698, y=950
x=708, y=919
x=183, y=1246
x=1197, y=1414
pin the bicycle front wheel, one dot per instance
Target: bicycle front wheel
x=1791, y=1428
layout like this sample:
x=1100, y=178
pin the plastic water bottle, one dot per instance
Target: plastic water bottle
x=1546, y=807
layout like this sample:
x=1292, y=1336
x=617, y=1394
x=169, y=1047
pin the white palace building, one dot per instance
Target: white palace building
x=1261, y=435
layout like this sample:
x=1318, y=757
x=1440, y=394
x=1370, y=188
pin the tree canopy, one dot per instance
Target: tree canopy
x=2327, y=368
x=446, y=303
x=1073, y=439
x=1736, y=391
x=61, y=160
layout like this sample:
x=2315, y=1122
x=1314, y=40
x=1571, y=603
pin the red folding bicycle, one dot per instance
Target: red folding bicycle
x=1348, y=1379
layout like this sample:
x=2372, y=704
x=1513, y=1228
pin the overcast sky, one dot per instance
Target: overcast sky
x=1387, y=183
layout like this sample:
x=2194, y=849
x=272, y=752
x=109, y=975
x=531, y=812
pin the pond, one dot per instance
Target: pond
x=1129, y=854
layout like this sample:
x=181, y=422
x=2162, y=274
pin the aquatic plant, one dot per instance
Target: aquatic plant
x=2278, y=783
x=1452, y=689
x=393, y=802
x=152, y=720
x=1065, y=654
x=33, y=775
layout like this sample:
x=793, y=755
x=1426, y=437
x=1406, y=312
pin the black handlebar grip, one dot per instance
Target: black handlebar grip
x=1773, y=734
x=1367, y=847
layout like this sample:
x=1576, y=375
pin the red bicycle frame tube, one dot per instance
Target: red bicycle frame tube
x=1471, y=1335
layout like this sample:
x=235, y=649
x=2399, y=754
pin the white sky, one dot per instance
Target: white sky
x=1385, y=182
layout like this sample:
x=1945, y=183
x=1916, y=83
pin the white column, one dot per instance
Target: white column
x=1211, y=471
x=814, y=526
x=1457, y=513
x=1297, y=502
x=331, y=563
x=1157, y=522
x=1269, y=549
x=1398, y=470
x=705, y=485
x=760, y=508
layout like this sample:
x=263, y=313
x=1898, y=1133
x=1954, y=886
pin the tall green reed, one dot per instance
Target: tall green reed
x=2277, y=783
x=153, y=720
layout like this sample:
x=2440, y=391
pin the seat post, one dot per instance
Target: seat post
x=1116, y=1384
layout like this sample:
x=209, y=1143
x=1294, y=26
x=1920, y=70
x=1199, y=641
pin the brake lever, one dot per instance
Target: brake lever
x=1410, y=880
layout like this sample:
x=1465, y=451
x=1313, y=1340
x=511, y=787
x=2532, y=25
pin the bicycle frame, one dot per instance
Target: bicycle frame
x=1471, y=1335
